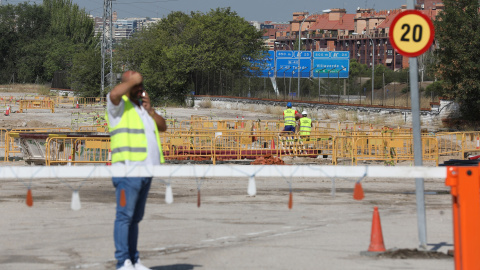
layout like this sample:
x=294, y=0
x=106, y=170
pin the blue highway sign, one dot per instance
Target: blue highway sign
x=287, y=64
x=334, y=64
x=265, y=67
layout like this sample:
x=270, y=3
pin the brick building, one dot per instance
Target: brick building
x=364, y=34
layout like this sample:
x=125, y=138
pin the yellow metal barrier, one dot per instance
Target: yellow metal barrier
x=392, y=150
x=77, y=150
x=90, y=101
x=89, y=119
x=62, y=100
x=226, y=139
x=93, y=128
x=450, y=143
x=342, y=149
x=191, y=147
x=37, y=105
x=470, y=142
x=12, y=145
x=3, y=133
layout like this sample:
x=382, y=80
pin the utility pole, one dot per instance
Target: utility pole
x=107, y=42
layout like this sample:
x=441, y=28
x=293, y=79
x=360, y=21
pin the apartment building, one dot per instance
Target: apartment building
x=364, y=34
x=124, y=28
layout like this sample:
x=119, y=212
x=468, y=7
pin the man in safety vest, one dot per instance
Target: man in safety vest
x=305, y=124
x=289, y=116
x=134, y=140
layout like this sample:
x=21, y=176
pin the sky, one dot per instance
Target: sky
x=251, y=10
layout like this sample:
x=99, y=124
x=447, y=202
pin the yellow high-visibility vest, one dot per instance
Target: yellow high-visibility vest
x=289, y=117
x=305, y=126
x=127, y=139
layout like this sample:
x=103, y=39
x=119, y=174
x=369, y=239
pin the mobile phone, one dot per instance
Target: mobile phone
x=140, y=98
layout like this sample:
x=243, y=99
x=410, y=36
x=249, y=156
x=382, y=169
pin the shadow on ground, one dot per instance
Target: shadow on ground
x=176, y=267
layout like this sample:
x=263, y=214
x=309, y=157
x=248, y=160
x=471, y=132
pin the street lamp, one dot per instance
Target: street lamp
x=373, y=66
x=338, y=79
x=284, y=84
x=299, y=44
x=319, y=70
x=328, y=96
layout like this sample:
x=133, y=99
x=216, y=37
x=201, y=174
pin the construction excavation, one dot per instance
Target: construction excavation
x=326, y=215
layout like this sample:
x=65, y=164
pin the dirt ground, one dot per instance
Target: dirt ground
x=325, y=229
x=63, y=115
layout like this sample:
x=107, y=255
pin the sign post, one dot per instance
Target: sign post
x=411, y=34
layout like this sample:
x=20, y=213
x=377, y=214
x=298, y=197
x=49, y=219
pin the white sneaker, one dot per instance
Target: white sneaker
x=127, y=265
x=140, y=266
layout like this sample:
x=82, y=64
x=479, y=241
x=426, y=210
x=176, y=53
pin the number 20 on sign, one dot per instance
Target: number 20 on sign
x=411, y=33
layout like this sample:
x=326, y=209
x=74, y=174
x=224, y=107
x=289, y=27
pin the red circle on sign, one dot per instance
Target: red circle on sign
x=430, y=40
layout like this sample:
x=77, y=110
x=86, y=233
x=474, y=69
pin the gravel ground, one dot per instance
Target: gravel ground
x=230, y=230
x=323, y=230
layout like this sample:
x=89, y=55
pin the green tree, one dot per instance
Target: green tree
x=8, y=38
x=38, y=40
x=457, y=31
x=183, y=52
x=84, y=74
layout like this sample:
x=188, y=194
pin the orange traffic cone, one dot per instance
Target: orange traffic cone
x=290, y=200
x=198, y=199
x=29, y=200
x=272, y=144
x=243, y=123
x=7, y=111
x=69, y=161
x=358, y=192
x=376, y=238
x=77, y=105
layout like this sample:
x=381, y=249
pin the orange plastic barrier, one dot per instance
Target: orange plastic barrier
x=465, y=190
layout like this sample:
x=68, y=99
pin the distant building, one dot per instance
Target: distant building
x=364, y=34
x=124, y=28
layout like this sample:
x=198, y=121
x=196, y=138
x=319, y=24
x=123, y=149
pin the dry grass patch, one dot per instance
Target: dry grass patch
x=205, y=103
x=342, y=115
x=403, y=101
x=275, y=110
x=354, y=116
x=26, y=88
x=326, y=115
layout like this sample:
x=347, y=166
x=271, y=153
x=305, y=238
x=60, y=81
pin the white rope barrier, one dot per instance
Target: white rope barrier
x=212, y=171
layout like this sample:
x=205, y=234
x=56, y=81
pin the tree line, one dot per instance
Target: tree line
x=181, y=53
x=38, y=40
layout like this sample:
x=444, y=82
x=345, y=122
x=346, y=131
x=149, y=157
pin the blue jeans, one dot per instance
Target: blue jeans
x=125, y=232
x=289, y=128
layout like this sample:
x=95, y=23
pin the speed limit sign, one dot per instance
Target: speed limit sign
x=411, y=33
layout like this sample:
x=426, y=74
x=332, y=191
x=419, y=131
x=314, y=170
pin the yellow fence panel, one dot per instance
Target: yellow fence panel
x=77, y=150
x=471, y=142
x=3, y=133
x=450, y=143
x=37, y=105
x=12, y=139
x=188, y=147
x=393, y=150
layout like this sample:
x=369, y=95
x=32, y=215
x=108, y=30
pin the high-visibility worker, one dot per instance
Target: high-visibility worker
x=305, y=124
x=289, y=118
x=134, y=134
